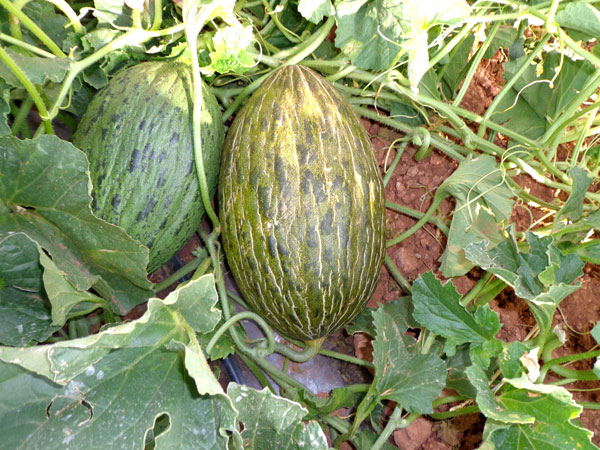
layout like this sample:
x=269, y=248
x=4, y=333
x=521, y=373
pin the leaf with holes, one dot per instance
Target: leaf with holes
x=112, y=386
x=273, y=423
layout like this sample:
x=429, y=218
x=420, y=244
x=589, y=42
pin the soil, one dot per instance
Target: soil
x=413, y=184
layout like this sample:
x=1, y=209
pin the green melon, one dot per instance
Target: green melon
x=301, y=205
x=137, y=133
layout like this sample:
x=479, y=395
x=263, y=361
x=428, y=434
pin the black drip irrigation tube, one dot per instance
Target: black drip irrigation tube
x=231, y=365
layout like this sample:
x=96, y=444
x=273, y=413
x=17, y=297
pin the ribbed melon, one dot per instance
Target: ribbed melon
x=137, y=133
x=301, y=205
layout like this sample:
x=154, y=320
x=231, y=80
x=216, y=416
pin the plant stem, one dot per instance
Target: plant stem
x=474, y=292
x=580, y=375
x=394, y=163
x=31, y=89
x=32, y=48
x=475, y=63
x=438, y=142
x=157, y=21
x=436, y=221
x=260, y=376
x=309, y=352
x=396, y=421
x=403, y=282
x=237, y=318
x=489, y=293
x=573, y=357
x=71, y=15
x=590, y=405
x=182, y=272
x=347, y=358
x=128, y=38
x=20, y=124
x=437, y=201
x=459, y=412
x=31, y=25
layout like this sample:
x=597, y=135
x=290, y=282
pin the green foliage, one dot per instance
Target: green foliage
x=89, y=389
x=534, y=103
x=24, y=305
x=437, y=307
x=90, y=252
x=146, y=382
x=271, y=422
x=483, y=205
x=402, y=373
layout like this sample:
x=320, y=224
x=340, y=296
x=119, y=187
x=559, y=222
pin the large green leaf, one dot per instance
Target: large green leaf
x=38, y=69
x=483, y=204
x=573, y=207
x=273, y=423
x=62, y=294
x=533, y=274
x=580, y=17
x=438, y=308
x=24, y=306
x=402, y=373
x=487, y=402
x=543, y=276
x=45, y=183
x=48, y=18
x=107, y=390
x=370, y=33
x=533, y=103
x=315, y=10
x=552, y=410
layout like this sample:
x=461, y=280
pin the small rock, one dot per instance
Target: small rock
x=412, y=437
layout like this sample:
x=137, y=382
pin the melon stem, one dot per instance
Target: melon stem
x=310, y=350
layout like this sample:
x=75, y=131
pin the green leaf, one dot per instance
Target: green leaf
x=508, y=359
x=543, y=276
x=45, y=16
x=533, y=275
x=406, y=114
x=504, y=38
x=366, y=439
x=533, y=103
x=457, y=377
x=113, y=13
x=483, y=204
x=272, y=422
x=375, y=33
x=438, y=308
x=38, y=69
x=553, y=411
x=46, y=184
x=581, y=17
x=363, y=323
x=596, y=332
x=24, y=307
x=402, y=373
x=371, y=33
x=454, y=73
x=62, y=294
x=573, y=207
x=109, y=388
x=489, y=404
x=315, y=10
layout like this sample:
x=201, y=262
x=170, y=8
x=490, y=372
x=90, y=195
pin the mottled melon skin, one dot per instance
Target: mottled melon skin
x=137, y=133
x=301, y=205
